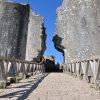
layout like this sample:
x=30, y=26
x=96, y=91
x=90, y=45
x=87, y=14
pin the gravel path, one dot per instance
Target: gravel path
x=51, y=86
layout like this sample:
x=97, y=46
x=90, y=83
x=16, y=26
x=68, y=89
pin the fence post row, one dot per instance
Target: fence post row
x=16, y=69
x=88, y=70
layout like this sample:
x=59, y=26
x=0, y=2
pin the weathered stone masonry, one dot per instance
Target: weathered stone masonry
x=36, y=37
x=20, y=32
x=78, y=29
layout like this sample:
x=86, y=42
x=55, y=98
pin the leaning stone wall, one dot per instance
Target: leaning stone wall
x=14, y=20
x=22, y=34
x=78, y=26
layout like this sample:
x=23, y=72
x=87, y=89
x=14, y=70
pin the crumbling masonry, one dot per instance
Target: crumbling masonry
x=77, y=33
x=22, y=33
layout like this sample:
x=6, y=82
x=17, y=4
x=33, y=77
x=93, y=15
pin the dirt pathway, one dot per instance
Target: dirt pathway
x=52, y=86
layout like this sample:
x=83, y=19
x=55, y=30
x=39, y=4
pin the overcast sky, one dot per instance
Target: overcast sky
x=47, y=10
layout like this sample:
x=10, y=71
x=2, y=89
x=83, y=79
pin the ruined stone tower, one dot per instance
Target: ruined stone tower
x=20, y=32
x=78, y=29
x=36, y=37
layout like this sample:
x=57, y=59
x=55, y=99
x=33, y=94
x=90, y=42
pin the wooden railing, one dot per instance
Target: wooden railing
x=88, y=69
x=15, y=68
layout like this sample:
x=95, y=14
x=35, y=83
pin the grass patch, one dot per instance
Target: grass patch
x=1, y=85
x=91, y=86
x=92, y=83
x=20, y=78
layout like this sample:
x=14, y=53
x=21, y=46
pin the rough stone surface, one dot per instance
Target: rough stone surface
x=14, y=20
x=78, y=28
x=17, y=25
x=36, y=37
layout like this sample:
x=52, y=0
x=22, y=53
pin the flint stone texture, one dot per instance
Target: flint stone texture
x=78, y=29
x=15, y=30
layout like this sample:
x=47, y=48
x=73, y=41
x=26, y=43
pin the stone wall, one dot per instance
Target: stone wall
x=36, y=37
x=15, y=30
x=78, y=29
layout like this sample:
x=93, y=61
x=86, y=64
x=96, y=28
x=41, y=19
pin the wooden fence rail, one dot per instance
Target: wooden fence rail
x=88, y=69
x=15, y=68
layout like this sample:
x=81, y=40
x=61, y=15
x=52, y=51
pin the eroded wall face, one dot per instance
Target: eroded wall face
x=36, y=38
x=78, y=26
x=14, y=20
x=22, y=34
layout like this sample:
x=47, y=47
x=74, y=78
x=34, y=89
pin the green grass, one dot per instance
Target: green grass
x=92, y=83
x=1, y=86
x=91, y=86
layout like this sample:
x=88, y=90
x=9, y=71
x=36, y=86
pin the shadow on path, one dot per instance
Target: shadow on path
x=27, y=89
